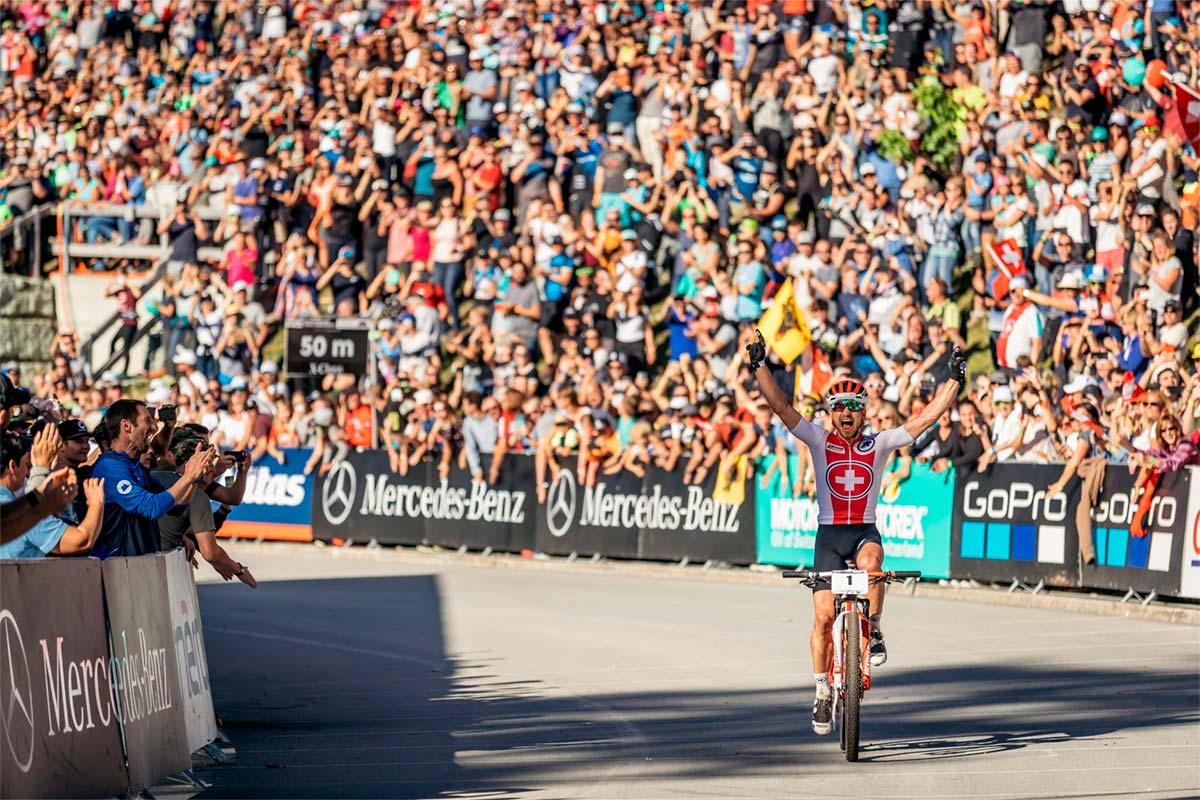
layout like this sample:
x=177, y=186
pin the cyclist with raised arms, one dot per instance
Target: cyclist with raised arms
x=848, y=466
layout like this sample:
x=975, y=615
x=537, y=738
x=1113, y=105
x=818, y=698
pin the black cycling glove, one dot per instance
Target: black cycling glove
x=958, y=365
x=757, y=351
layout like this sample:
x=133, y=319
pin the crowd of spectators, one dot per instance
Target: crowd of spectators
x=563, y=219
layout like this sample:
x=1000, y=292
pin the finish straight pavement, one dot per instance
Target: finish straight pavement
x=395, y=677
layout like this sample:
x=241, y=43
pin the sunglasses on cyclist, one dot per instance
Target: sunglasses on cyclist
x=848, y=405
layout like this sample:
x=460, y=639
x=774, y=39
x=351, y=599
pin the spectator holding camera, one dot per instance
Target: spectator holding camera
x=195, y=519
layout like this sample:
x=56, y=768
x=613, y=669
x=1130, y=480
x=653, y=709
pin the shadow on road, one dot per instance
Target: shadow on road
x=344, y=688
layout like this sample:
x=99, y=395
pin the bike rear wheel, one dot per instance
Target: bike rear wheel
x=852, y=635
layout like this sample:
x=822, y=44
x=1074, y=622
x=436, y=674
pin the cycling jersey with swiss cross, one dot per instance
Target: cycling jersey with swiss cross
x=848, y=474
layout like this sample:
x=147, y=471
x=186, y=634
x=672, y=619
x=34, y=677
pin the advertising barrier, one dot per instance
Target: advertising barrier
x=913, y=518
x=361, y=498
x=1189, y=551
x=655, y=516
x=702, y=528
x=1146, y=563
x=278, y=500
x=1006, y=528
x=144, y=674
x=200, y=721
x=59, y=726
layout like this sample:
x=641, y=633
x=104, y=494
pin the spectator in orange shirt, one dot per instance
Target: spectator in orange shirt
x=358, y=419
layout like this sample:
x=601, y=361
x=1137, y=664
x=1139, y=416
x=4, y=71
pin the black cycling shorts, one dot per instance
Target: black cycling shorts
x=837, y=544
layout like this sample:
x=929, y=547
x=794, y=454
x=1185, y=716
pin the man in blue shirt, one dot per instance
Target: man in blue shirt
x=49, y=535
x=133, y=500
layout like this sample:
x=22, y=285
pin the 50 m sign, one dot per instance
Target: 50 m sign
x=319, y=347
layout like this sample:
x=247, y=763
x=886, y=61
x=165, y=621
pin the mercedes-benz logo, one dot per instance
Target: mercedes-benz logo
x=16, y=693
x=338, y=493
x=560, y=505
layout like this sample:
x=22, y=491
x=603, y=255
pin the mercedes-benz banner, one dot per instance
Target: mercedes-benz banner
x=656, y=516
x=361, y=498
x=59, y=716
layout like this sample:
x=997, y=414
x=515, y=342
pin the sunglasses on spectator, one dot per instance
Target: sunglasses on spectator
x=848, y=405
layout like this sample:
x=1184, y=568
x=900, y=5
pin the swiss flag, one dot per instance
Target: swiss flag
x=1010, y=262
x=1184, y=115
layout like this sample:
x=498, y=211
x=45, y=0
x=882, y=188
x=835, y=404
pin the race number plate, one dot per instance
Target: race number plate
x=849, y=582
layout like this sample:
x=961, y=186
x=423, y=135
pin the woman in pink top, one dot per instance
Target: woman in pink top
x=240, y=260
x=448, y=259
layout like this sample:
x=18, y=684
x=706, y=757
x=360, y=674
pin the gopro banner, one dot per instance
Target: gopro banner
x=913, y=517
x=59, y=720
x=1151, y=562
x=1006, y=528
x=278, y=500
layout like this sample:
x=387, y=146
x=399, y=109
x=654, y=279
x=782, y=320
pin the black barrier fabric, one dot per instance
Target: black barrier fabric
x=144, y=672
x=699, y=528
x=1142, y=563
x=1005, y=527
x=588, y=519
x=654, y=517
x=362, y=499
x=59, y=731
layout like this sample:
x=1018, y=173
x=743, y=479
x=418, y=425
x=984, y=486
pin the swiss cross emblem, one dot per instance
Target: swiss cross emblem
x=849, y=480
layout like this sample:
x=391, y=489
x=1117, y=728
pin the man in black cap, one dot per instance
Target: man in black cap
x=195, y=520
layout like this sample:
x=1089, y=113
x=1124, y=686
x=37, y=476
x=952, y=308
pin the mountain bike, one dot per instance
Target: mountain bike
x=850, y=674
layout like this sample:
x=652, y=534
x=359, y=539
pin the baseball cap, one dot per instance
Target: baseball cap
x=1145, y=210
x=630, y=174
x=779, y=222
x=1078, y=384
x=806, y=237
x=1002, y=394
x=1018, y=282
x=258, y=163
x=628, y=235
x=866, y=169
x=73, y=429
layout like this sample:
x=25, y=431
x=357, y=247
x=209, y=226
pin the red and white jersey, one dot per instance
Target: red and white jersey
x=848, y=474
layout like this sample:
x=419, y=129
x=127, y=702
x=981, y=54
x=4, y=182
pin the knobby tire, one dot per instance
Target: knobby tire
x=852, y=634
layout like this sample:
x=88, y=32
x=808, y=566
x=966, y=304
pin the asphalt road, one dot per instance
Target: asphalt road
x=346, y=677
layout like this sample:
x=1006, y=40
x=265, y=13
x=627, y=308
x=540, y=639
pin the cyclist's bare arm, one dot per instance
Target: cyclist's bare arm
x=779, y=402
x=940, y=404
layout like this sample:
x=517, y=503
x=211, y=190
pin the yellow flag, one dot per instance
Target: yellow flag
x=783, y=325
x=731, y=481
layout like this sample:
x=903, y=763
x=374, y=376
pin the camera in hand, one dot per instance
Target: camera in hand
x=166, y=414
x=240, y=456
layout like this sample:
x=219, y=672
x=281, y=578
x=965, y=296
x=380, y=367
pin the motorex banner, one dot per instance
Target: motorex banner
x=913, y=517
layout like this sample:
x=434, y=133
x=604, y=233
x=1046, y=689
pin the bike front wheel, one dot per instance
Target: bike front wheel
x=852, y=636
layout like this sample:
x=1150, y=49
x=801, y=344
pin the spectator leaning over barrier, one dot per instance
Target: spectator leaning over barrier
x=196, y=520
x=18, y=516
x=133, y=500
x=1088, y=460
x=50, y=535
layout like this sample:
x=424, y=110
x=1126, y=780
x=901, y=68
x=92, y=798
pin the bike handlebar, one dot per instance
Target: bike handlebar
x=808, y=574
